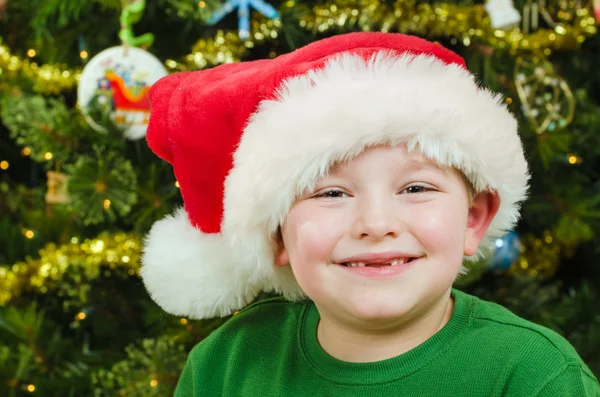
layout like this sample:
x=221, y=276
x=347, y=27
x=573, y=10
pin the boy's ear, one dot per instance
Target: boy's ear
x=281, y=256
x=484, y=208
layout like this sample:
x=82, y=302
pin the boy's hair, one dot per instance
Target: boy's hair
x=244, y=139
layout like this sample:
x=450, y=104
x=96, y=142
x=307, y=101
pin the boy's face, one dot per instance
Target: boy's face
x=384, y=207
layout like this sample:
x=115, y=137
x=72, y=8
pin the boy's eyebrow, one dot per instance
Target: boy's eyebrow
x=421, y=165
x=413, y=165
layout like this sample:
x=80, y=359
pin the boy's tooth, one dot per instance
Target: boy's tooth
x=355, y=264
x=395, y=262
x=399, y=261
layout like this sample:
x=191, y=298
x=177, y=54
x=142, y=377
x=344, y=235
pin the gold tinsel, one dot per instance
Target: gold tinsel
x=467, y=25
x=88, y=259
x=48, y=79
x=539, y=257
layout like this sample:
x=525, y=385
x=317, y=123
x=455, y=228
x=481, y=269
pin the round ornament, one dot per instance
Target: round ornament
x=546, y=97
x=508, y=250
x=115, y=84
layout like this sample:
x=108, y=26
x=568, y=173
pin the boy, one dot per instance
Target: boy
x=358, y=172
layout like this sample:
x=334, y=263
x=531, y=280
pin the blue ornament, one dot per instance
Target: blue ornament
x=243, y=7
x=508, y=249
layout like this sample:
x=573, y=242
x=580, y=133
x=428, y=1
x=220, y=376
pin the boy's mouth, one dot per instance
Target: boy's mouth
x=379, y=266
x=393, y=262
x=390, y=259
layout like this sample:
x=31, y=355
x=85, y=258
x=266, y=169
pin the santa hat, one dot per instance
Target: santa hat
x=246, y=139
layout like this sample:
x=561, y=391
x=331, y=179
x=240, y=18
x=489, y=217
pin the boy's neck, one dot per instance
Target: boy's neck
x=357, y=345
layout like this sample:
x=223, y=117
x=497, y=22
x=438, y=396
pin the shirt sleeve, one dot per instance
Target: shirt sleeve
x=185, y=385
x=573, y=381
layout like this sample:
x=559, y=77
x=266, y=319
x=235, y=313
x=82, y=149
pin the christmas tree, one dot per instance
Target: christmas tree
x=79, y=187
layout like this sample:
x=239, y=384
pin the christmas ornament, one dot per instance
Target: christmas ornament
x=57, y=188
x=508, y=249
x=117, y=81
x=131, y=14
x=243, y=7
x=503, y=13
x=546, y=98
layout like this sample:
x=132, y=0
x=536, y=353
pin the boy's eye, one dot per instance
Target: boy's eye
x=417, y=189
x=331, y=194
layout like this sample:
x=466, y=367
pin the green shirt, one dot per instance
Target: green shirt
x=271, y=349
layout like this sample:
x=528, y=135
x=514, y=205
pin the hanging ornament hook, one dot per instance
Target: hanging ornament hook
x=131, y=14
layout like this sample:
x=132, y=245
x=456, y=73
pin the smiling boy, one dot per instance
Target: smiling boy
x=353, y=176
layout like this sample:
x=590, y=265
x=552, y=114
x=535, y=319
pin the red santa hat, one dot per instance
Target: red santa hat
x=246, y=139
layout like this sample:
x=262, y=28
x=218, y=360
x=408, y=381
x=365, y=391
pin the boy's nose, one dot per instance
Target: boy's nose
x=376, y=221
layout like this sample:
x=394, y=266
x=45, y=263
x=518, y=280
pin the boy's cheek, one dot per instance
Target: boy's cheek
x=442, y=227
x=312, y=235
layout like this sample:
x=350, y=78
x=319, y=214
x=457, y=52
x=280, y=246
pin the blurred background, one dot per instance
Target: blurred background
x=79, y=188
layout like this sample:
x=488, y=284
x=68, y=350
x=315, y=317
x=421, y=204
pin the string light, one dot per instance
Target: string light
x=153, y=383
x=106, y=204
x=31, y=53
x=573, y=159
x=177, y=184
x=508, y=100
x=201, y=4
x=83, y=54
x=48, y=156
x=81, y=316
x=30, y=388
x=4, y=165
x=28, y=233
x=183, y=321
x=26, y=151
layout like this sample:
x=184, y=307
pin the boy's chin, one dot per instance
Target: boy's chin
x=375, y=315
x=371, y=313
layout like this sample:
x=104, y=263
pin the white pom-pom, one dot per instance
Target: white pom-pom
x=193, y=274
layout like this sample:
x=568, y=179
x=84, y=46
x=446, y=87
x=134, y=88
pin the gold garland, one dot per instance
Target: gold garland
x=463, y=24
x=540, y=256
x=88, y=259
x=47, y=79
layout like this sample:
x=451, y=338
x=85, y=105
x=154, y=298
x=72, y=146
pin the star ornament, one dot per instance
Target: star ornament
x=243, y=7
